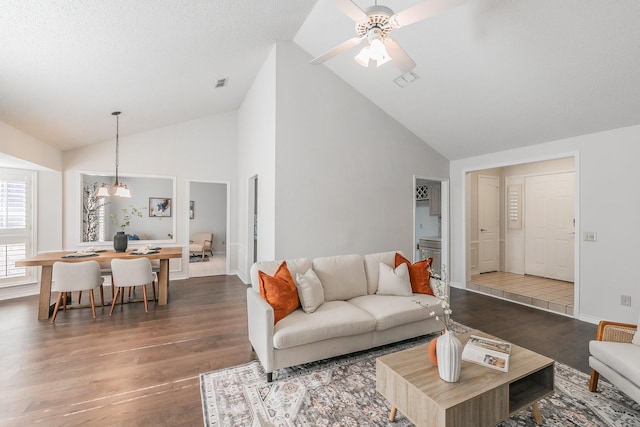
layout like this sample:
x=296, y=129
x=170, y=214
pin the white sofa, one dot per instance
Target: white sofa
x=352, y=318
x=615, y=354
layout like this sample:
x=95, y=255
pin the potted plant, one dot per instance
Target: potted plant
x=120, y=240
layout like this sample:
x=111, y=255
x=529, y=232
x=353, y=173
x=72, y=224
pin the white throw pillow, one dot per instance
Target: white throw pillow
x=394, y=281
x=310, y=291
x=636, y=336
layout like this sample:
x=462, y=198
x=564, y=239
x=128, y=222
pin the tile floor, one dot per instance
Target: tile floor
x=549, y=294
x=217, y=265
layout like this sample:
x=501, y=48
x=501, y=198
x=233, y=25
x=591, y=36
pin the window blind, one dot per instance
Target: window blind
x=15, y=224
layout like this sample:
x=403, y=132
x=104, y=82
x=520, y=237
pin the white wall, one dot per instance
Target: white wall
x=607, y=174
x=21, y=151
x=202, y=149
x=16, y=143
x=344, y=168
x=210, y=212
x=256, y=154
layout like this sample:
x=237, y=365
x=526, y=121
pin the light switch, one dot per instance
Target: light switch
x=590, y=236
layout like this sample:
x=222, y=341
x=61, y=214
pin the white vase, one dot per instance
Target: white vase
x=449, y=351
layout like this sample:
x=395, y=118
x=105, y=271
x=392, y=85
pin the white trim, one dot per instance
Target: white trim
x=444, y=216
x=185, y=256
x=500, y=164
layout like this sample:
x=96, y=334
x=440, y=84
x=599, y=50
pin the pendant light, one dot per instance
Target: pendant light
x=119, y=189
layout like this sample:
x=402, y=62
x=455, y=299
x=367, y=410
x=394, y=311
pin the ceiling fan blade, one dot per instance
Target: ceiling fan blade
x=424, y=10
x=342, y=47
x=350, y=9
x=398, y=56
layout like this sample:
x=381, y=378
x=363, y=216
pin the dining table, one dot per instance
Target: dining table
x=103, y=257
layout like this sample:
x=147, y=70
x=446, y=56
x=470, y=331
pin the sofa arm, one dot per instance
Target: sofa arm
x=616, y=332
x=261, y=328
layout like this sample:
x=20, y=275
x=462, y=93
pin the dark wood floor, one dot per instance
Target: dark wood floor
x=142, y=369
x=556, y=336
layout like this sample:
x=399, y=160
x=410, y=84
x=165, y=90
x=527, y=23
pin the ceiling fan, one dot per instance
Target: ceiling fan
x=374, y=25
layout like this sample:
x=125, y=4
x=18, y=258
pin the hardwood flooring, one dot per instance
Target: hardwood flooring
x=140, y=369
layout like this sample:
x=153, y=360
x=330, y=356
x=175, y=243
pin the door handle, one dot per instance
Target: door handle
x=483, y=229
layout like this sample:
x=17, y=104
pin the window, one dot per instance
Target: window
x=16, y=219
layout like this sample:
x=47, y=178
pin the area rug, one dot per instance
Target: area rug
x=198, y=258
x=341, y=392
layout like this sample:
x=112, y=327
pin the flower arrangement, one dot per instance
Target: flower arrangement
x=440, y=289
x=127, y=215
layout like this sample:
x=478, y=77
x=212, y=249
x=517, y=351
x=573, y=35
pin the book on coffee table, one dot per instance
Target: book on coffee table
x=487, y=352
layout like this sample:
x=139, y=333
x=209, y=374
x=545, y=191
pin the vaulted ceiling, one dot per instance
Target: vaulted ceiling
x=493, y=74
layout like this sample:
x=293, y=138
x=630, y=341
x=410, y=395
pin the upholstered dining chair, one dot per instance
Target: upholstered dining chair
x=127, y=273
x=201, y=244
x=75, y=277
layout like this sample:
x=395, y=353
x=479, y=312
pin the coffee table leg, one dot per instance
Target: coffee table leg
x=536, y=413
x=392, y=415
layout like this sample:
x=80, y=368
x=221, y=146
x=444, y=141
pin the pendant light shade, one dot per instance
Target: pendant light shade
x=119, y=189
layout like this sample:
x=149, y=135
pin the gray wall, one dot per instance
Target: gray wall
x=210, y=201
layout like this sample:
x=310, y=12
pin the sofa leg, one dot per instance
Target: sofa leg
x=269, y=377
x=593, y=381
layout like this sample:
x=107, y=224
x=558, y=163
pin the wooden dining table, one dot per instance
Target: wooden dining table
x=47, y=259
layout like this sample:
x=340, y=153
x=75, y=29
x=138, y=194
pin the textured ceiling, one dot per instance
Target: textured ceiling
x=498, y=74
x=65, y=65
x=494, y=74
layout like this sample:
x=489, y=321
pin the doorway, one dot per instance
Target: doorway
x=533, y=261
x=252, y=232
x=208, y=213
x=431, y=221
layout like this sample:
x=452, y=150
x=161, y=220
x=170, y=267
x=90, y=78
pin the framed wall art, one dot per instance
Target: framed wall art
x=159, y=207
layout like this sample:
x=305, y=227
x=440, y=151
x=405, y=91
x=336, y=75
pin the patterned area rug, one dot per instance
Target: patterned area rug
x=198, y=258
x=341, y=392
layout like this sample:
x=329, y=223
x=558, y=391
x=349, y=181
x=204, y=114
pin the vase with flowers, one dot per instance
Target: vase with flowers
x=448, y=347
x=120, y=240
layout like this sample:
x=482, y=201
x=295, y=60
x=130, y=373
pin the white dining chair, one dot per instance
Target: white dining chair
x=74, y=277
x=127, y=273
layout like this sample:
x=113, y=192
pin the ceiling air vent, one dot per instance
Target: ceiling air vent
x=221, y=83
x=406, y=79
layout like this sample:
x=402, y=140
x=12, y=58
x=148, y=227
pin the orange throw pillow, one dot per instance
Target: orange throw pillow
x=419, y=274
x=279, y=291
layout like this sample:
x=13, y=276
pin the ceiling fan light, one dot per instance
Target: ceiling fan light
x=383, y=60
x=363, y=57
x=378, y=52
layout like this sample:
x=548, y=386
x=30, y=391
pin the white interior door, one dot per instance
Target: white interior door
x=488, y=224
x=549, y=226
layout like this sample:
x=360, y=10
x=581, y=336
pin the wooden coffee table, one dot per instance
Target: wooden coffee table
x=482, y=397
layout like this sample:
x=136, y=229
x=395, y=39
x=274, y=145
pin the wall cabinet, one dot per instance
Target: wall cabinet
x=434, y=200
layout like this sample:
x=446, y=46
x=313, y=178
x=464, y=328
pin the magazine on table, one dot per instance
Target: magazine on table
x=487, y=352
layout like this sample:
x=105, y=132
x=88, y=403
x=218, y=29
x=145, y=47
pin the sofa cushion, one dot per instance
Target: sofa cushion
x=300, y=265
x=420, y=274
x=621, y=357
x=279, y=291
x=309, y=291
x=636, y=336
x=342, y=276
x=332, y=319
x=391, y=311
x=394, y=281
x=372, y=266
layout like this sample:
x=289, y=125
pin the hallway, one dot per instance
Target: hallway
x=549, y=294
